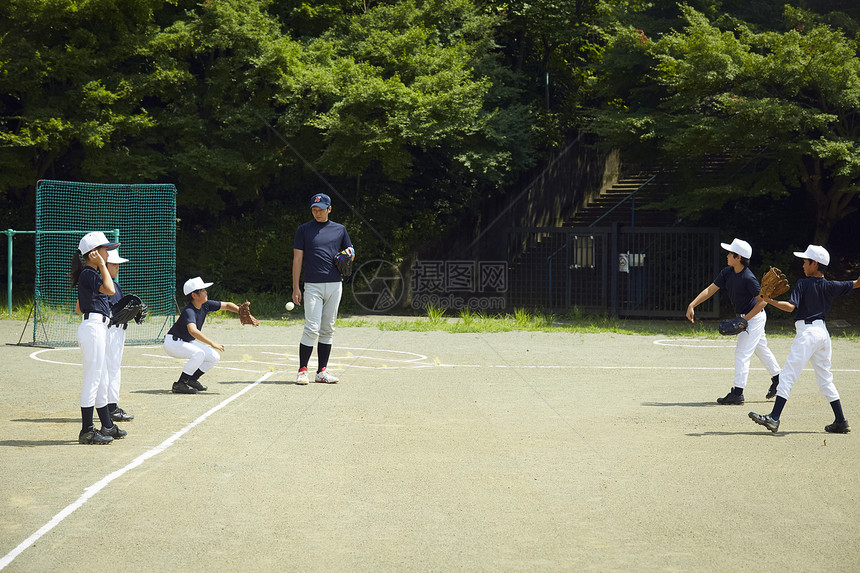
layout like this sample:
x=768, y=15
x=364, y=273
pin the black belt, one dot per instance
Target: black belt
x=124, y=326
x=177, y=339
x=811, y=320
x=87, y=316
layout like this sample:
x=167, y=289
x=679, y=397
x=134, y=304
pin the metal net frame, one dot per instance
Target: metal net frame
x=140, y=216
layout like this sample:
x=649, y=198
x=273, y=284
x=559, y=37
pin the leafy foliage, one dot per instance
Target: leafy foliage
x=414, y=114
x=778, y=108
x=403, y=107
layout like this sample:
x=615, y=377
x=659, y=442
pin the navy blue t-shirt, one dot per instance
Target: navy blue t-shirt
x=813, y=296
x=320, y=242
x=89, y=297
x=114, y=298
x=189, y=315
x=742, y=288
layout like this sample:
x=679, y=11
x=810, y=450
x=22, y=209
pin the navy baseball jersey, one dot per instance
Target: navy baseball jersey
x=190, y=315
x=114, y=298
x=742, y=287
x=89, y=297
x=320, y=242
x=813, y=296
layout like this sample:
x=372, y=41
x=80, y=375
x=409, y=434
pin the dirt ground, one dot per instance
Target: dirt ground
x=436, y=452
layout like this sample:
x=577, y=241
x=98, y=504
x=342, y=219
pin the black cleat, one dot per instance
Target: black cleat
x=197, y=385
x=120, y=415
x=731, y=399
x=183, y=388
x=774, y=382
x=766, y=421
x=93, y=436
x=838, y=427
x=113, y=432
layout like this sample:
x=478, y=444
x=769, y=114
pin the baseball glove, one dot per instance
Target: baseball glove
x=245, y=316
x=141, y=316
x=773, y=283
x=343, y=262
x=732, y=326
x=127, y=308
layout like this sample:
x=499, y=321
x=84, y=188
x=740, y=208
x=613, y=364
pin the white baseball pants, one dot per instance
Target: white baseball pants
x=321, y=302
x=200, y=356
x=92, y=338
x=753, y=341
x=810, y=344
x=113, y=361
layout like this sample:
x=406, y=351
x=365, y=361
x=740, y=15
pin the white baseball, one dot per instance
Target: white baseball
x=290, y=306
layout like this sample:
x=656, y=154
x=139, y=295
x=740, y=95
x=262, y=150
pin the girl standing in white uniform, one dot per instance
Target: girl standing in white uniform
x=90, y=275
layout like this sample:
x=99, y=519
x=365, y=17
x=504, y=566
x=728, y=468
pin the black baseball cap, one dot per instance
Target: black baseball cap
x=321, y=200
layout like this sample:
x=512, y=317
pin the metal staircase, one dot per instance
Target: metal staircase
x=623, y=203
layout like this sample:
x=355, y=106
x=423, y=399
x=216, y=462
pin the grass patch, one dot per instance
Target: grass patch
x=269, y=308
x=435, y=315
x=21, y=308
x=576, y=322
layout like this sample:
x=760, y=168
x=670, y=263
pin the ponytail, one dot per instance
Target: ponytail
x=77, y=267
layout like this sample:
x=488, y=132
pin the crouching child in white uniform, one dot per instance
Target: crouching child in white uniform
x=185, y=339
x=810, y=301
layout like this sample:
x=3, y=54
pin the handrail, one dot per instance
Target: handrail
x=625, y=199
x=549, y=268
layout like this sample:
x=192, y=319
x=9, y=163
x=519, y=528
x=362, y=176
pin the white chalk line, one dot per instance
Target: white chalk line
x=102, y=483
x=415, y=362
x=337, y=362
x=691, y=343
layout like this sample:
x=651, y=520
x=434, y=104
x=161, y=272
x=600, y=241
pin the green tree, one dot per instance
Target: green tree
x=67, y=92
x=213, y=70
x=409, y=103
x=780, y=107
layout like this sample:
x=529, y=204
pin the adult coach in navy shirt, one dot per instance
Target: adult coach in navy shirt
x=315, y=245
x=743, y=288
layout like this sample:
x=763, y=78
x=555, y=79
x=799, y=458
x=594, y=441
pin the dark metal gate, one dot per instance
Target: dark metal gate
x=620, y=271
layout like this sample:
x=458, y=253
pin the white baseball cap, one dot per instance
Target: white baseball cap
x=740, y=247
x=816, y=253
x=113, y=257
x=194, y=284
x=95, y=240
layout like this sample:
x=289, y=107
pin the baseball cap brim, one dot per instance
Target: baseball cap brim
x=113, y=257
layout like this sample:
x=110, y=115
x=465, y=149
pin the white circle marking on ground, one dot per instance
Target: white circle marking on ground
x=691, y=343
x=401, y=359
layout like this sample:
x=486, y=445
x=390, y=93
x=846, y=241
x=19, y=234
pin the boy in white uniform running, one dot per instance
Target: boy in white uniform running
x=743, y=288
x=810, y=300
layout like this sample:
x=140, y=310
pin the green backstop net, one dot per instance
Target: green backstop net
x=141, y=217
